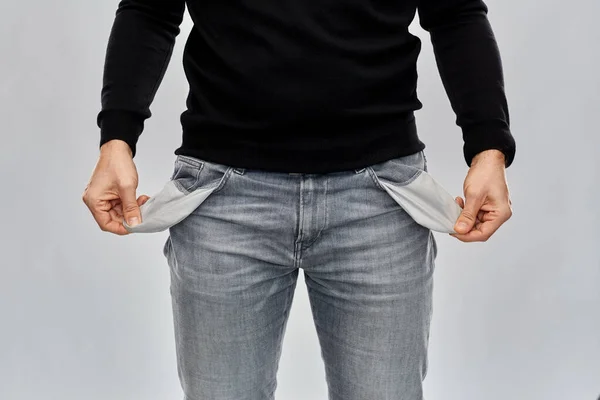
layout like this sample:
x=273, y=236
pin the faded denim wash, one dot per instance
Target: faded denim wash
x=363, y=238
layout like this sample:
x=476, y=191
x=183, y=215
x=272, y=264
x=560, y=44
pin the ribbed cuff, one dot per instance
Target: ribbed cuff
x=487, y=137
x=122, y=125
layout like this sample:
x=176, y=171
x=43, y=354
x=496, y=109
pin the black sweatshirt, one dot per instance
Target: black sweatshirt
x=310, y=86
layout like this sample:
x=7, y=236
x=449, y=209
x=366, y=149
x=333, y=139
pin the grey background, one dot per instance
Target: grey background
x=87, y=315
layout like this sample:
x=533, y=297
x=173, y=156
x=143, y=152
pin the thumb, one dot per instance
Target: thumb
x=131, y=209
x=468, y=216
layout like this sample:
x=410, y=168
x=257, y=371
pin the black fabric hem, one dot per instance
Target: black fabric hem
x=486, y=138
x=122, y=125
x=358, y=148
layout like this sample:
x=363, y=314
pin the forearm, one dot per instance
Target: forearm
x=469, y=62
x=138, y=52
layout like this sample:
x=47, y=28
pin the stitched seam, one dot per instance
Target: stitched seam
x=378, y=180
x=412, y=178
x=197, y=168
x=177, y=170
x=224, y=179
x=374, y=178
x=180, y=186
x=171, y=252
x=326, y=209
x=308, y=245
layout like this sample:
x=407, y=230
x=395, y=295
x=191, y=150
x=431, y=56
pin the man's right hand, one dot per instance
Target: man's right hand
x=110, y=192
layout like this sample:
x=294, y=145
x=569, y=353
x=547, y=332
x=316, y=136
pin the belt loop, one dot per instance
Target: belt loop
x=239, y=171
x=358, y=171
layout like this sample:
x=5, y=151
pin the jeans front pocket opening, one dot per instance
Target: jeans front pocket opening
x=424, y=199
x=186, y=176
x=224, y=179
x=404, y=182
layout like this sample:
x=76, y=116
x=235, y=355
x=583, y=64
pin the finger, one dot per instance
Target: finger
x=116, y=213
x=116, y=223
x=131, y=209
x=105, y=220
x=119, y=209
x=116, y=216
x=468, y=217
x=460, y=202
x=142, y=199
x=482, y=215
x=481, y=232
x=116, y=227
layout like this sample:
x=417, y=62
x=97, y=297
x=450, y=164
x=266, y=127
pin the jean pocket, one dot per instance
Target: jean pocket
x=186, y=172
x=190, y=185
x=407, y=181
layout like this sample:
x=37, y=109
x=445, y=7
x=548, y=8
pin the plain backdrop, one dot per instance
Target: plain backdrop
x=87, y=315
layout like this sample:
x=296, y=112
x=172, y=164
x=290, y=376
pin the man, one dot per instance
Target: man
x=300, y=150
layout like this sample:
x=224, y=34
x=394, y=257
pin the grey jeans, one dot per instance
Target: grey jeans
x=363, y=238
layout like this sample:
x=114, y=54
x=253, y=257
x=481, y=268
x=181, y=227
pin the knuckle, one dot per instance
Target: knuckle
x=468, y=215
x=89, y=197
x=130, y=207
x=127, y=184
x=506, y=213
x=473, y=193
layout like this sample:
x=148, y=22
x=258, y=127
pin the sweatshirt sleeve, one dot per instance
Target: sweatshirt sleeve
x=470, y=67
x=139, y=49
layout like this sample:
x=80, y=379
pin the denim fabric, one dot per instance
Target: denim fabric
x=237, y=240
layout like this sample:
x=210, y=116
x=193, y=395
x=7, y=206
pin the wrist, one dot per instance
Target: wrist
x=489, y=156
x=116, y=145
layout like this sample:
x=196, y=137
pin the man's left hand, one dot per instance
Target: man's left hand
x=487, y=203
